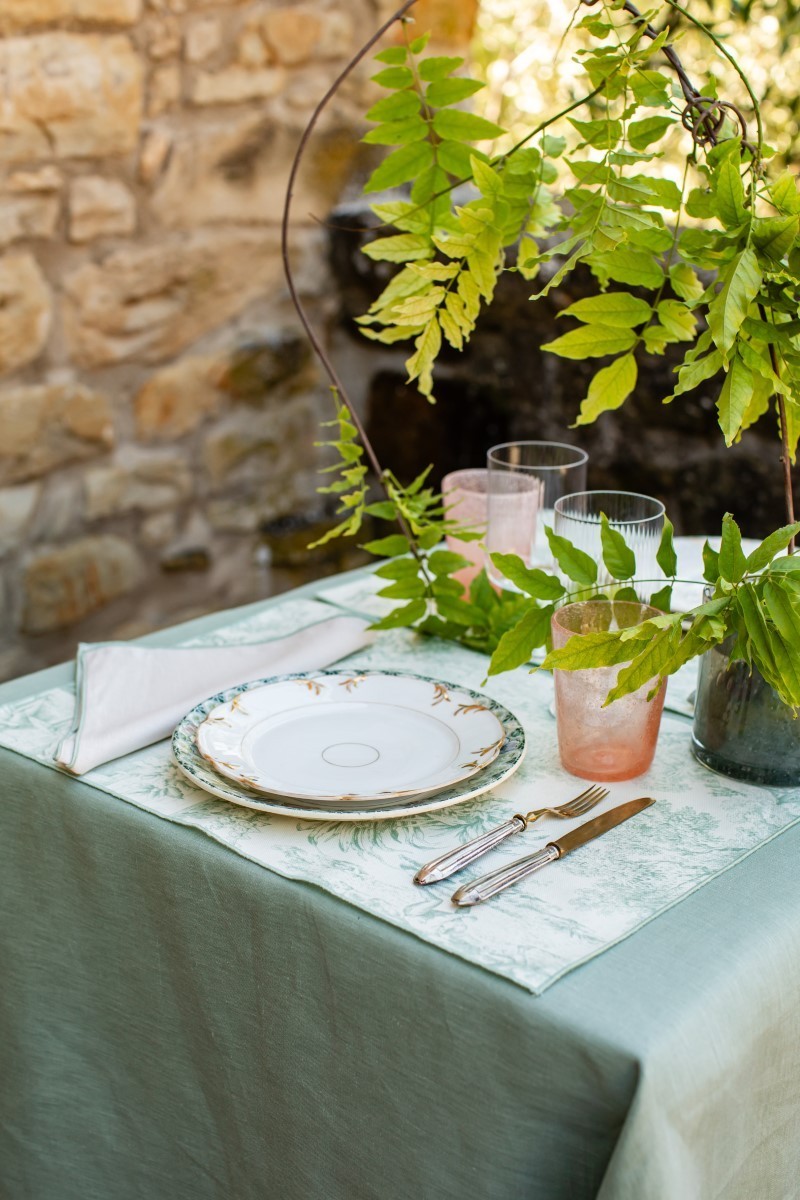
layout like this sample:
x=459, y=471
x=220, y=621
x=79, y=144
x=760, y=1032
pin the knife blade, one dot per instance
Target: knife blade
x=497, y=881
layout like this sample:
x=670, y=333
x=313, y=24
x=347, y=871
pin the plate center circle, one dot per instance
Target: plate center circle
x=350, y=754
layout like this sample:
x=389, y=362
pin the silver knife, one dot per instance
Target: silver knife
x=497, y=881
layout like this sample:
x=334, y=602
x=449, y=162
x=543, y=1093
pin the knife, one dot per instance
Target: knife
x=497, y=881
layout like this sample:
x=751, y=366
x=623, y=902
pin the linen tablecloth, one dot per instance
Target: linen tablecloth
x=179, y=1022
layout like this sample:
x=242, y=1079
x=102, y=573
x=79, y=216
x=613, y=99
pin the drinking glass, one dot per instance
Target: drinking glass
x=640, y=520
x=465, y=497
x=604, y=744
x=554, y=468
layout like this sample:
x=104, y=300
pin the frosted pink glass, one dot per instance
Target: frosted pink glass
x=464, y=496
x=604, y=744
x=513, y=516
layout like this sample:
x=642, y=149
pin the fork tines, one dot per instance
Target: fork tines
x=581, y=804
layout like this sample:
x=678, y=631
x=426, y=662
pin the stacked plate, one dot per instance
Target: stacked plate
x=344, y=746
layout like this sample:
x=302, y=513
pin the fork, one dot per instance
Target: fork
x=462, y=856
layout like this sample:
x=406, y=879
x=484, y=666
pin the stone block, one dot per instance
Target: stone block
x=253, y=447
x=292, y=33
x=203, y=38
x=26, y=14
x=16, y=508
x=48, y=426
x=156, y=148
x=178, y=398
x=164, y=90
x=162, y=36
x=237, y=170
x=137, y=482
x=32, y=216
x=236, y=85
x=43, y=179
x=68, y=95
x=149, y=302
x=63, y=585
x=25, y=311
x=100, y=207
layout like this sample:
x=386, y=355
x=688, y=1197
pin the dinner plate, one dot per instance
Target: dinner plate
x=201, y=772
x=342, y=736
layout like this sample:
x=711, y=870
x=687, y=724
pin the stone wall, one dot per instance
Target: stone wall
x=158, y=405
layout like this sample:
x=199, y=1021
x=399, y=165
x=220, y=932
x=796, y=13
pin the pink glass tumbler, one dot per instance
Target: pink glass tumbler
x=605, y=744
x=507, y=523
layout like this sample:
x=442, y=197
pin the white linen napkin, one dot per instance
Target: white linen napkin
x=131, y=696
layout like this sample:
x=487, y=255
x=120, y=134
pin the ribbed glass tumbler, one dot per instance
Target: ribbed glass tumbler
x=640, y=520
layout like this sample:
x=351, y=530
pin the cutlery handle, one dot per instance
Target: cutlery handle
x=462, y=856
x=497, y=881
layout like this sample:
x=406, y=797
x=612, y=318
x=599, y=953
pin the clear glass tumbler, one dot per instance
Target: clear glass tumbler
x=554, y=468
x=466, y=500
x=619, y=741
x=640, y=520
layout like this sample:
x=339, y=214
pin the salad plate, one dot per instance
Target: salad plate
x=202, y=773
x=346, y=737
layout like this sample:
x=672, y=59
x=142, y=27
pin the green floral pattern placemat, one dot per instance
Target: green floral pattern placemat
x=701, y=825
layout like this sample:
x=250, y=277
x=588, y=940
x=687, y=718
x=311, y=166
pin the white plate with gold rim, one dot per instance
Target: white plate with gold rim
x=197, y=769
x=348, y=737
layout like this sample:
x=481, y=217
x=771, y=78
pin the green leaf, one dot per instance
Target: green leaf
x=692, y=374
x=784, y=193
x=756, y=627
x=619, y=559
x=385, y=509
x=730, y=195
x=662, y=599
x=401, y=247
x=396, y=107
x=609, y=388
x=610, y=308
x=398, y=568
x=734, y=399
x=710, y=563
x=394, y=77
x=420, y=364
x=685, y=282
x=576, y=564
x=784, y=613
x=666, y=557
x=772, y=545
x=774, y=236
x=389, y=546
x=392, y=55
x=401, y=165
x=516, y=646
x=450, y=91
x=649, y=664
x=438, y=67
x=676, y=317
x=603, y=135
x=444, y=562
x=729, y=307
x=404, y=589
x=397, y=133
x=732, y=563
x=635, y=267
x=789, y=565
x=642, y=134
x=463, y=126
x=532, y=581
x=592, y=341
x=585, y=651
x=400, y=617
x=459, y=611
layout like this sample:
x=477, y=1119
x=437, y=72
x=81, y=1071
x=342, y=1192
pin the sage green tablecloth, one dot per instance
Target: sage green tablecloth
x=177, y=1022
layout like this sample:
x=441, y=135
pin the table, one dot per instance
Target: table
x=177, y=1022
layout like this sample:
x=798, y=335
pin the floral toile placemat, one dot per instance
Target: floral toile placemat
x=532, y=934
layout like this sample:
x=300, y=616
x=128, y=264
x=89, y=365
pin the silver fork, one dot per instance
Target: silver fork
x=462, y=856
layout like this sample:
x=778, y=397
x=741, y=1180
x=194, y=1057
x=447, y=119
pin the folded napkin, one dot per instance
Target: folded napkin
x=131, y=696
